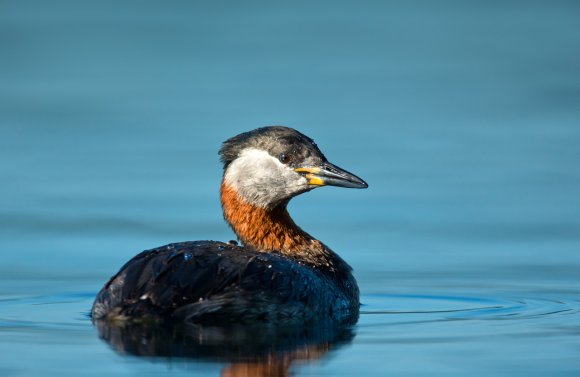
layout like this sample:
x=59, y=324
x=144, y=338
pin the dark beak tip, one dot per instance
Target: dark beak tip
x=332, y=175
x=360, y=184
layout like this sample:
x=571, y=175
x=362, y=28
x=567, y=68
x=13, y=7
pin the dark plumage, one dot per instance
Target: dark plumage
x=280, y=142
x=280, y=275
x=218, y=283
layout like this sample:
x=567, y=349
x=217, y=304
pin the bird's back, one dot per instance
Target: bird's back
x=214, y=282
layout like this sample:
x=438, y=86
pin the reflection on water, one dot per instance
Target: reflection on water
x=246, y=350
x=392, y=323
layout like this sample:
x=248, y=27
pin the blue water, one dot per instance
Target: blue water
x=463, y=117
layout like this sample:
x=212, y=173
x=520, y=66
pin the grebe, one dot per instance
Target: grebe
x=281, y=274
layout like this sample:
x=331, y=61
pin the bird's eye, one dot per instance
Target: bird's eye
x=284, y=158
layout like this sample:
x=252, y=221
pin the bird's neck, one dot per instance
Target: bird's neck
x=266, y=229
x=272, y=230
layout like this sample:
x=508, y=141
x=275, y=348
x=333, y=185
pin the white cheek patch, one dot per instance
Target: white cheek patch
x=251, y=165
x=262, y=180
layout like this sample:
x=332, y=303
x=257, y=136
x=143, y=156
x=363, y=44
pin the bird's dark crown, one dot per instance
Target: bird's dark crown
x=286, y=144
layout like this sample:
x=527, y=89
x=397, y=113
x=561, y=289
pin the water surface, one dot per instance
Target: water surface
x=463, y=118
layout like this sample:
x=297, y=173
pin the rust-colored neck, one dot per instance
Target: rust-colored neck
x=265, y=229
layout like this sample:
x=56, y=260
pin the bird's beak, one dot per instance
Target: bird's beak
x=328, y=174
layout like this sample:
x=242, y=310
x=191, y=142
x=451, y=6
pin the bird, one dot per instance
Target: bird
x=277, y=273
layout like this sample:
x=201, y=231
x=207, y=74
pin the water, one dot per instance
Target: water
x=462, y=117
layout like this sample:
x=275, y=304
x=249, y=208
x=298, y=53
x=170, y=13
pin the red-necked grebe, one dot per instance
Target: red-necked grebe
x=280, y=274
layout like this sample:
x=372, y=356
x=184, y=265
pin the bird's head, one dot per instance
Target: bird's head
x=270, y=165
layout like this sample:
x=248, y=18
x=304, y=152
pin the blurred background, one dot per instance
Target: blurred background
x=463, y=117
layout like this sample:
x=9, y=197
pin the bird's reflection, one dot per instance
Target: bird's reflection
x=256, y=350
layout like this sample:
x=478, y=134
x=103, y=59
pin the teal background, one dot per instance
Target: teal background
x=463, y=117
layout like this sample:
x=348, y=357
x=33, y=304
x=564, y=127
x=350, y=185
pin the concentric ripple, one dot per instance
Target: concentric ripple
x=72, y=309
x=67, y=310
x=464, y=307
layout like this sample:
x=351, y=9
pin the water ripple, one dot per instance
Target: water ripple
x=433, y=307
x=71, y=310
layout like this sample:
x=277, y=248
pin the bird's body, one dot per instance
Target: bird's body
x=280, y=275
x=218, y=283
